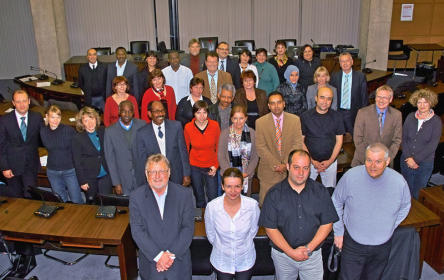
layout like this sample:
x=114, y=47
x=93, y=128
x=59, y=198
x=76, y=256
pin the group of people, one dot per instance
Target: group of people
x=213, y=131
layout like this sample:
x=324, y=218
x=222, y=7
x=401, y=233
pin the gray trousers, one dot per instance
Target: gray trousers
x=288, y=269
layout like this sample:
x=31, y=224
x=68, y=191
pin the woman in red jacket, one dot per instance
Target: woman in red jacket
x=202, y=139
x=161, y=92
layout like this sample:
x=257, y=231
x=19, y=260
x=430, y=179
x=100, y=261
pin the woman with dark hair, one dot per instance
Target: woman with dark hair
x=252, y=98
x=184, y=112
x=294, y=95
x=267, y=74
x=421, y=133
x=280, y=61
x=231, y=223
x=202, y=138
x=307, y=64
x=144, y=76
x=57, y=138
x=88, y=155
x=237, y=147
x=245, y=64
x=160, y=92
x=120, y=89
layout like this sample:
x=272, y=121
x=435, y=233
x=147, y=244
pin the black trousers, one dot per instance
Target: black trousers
x=242, y=275
x=18, y=185
x=101, y=185
x=363, y=262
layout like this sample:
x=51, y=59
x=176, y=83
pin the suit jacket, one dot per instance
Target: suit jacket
x=130, y=73
x=366, y=132
x=222, y=78
x=176, y=151
x=119, y=155
x=86, y=80
x=359, y=96
x=153, y=234
x=234, y=69
x=16, y=154
x=87, y=160
x=186, y=61
x=266, y=145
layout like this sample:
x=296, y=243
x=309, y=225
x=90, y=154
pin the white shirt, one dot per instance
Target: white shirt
x=179, y=81
x=190, y=98
x=120, y=69
x=92, y=64
x=220, y=63
x=160, y=141
x=232, y=238
x=19, y=120
x=252, y=68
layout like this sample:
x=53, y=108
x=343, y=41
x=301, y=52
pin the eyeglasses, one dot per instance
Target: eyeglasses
x=157, y=172
x=383, y=97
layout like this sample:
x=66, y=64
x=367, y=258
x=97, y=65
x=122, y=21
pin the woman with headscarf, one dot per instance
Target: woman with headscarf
x=294, y=95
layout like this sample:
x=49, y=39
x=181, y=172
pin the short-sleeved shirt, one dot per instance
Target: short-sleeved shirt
x=320, y=132
x=297, y=216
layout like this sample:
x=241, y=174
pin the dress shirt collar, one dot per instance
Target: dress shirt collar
x=190, y=98
x=156, y=127
x=93, y=64
x=18, y=117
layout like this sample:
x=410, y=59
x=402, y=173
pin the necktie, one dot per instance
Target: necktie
x=213, y=93
x=380, y=115
x=278, y=135
x=345, y=98
x=222, y=68
x=23, y=127
x=94, y=66
x=160, y=133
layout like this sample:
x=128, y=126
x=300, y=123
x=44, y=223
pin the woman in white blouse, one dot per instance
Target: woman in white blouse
x=245, y=60
x=231, y=224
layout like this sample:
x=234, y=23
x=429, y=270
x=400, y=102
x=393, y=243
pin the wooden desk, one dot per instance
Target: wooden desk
x=74, y=227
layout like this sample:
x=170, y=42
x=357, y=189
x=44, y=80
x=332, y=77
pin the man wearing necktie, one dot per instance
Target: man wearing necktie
x=378, y=122
x=164, y=137
x=351, y=86
x=227, y=64
x=19, y=142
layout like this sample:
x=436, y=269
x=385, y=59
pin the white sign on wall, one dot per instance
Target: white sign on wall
x=407, y=12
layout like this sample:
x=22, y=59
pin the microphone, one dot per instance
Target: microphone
x=56, y=81
x=42, y=76
x=313, y=42
x=368, y=70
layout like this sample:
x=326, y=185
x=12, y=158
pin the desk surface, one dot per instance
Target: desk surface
x=64, y=88
x=426, y=47
x=76, y=223
x=377, y=74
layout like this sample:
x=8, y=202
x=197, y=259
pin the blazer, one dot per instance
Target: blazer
x=186, y=61
x=16, y=154
x=119, y=155
x=86, y=81
x=87, y=160
x=266, y=144
x=176, y=151
x=366, y=132
x=359, y=96
x=130, y=73
x=222, y=78
x=261, y=99
x=153, y=234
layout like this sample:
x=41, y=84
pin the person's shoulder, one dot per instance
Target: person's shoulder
x=173, y=124
x=308, y=113
x=139, y=123
x=291, y=117
x=212, y=123
x=138, y=192
x=168, y=88
x=214, y=203
x=179, y=189
x=312, y=87
x=183, y=101
x=264, y=118
x=201, y=74
x=249, y=201
x=35, y=115
x=145, y=128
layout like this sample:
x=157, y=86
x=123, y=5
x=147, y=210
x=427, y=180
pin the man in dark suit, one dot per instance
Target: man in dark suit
x=227, y=64
x=162, y=223
x=19, y=142
x=352, y=90
x=194, y=60
x=120, y=138
x=125, y=68
x=92, y=80
x=164, y=137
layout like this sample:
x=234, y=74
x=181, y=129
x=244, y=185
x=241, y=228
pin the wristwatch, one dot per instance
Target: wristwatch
x=309, y=252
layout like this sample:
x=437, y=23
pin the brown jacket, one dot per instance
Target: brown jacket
x=222, y=78
x=261, y=99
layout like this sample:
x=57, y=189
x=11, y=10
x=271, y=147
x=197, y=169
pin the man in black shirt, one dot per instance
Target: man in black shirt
x=322, y=132
x=298, y=215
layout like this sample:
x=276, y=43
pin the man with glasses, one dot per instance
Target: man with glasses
x=227, y=64
x=164, y=137
x=378, y=122
x=162, y=223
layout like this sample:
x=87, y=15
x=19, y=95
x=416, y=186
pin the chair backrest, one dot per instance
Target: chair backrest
x=396, y=45
x=161, y=47
x=103, y=51
x=112, y=200
x=293, y=51
x=139, y=47
x=44, y=195
x=246, y=43
x=209, y=43
x=235, y=50
x=289, y=42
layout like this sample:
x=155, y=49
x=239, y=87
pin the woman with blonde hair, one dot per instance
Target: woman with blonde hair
x=321, y=77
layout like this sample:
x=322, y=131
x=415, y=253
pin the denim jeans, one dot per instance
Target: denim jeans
x=65, y=184
x=203, y=183
x=416, y=178
x=98, y=102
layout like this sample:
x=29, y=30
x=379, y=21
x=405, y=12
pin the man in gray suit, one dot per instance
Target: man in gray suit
x=119, y=141
x=164, y=137
x=162, y=223
x=378, y=123
x=125, y=68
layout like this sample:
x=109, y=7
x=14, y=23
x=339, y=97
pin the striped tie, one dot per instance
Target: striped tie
x=278, y=135
x=381, y=127
x=213, y=91
x=345, y=98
